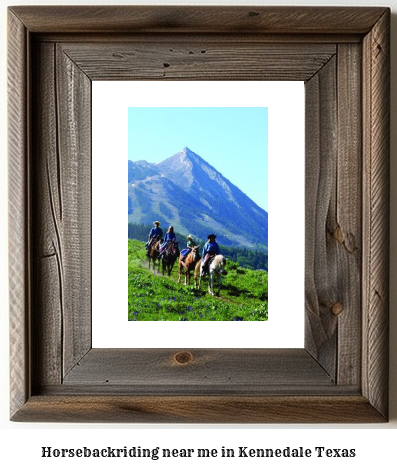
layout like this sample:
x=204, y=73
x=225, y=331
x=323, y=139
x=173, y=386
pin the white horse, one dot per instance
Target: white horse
x=217, y=267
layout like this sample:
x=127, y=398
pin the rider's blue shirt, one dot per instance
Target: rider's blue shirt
x=169, y=236
x=211, y=247
x=155, y=231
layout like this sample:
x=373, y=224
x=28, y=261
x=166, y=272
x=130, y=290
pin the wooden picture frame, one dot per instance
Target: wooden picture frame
x=342, y=54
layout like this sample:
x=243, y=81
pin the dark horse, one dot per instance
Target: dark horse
x=188, y=265
x=169, y=255
x=154, y=253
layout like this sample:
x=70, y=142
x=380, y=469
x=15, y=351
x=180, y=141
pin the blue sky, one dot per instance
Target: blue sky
x=233, y=140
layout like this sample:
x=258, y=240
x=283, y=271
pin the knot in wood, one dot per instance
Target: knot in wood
x=183, y=358
x=338, y=235
x=337, y=308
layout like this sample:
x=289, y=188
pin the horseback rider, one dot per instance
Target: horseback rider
x=155, y=233
x=169, y=236
x=210, y=249
x=189, y=244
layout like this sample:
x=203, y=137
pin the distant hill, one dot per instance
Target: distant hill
x=187, y=192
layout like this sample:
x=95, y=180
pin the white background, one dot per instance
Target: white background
x=285, y=102
x=20, y=443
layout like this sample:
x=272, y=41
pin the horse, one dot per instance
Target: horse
x=216, y=268
x=154, y=253
x=170, y=254
x=188, y=265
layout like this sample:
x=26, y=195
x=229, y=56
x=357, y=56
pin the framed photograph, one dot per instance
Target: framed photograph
x=59, y=57
x=227, y=124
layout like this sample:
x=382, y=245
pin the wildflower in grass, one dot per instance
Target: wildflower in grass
x=189, y=308
x=237, y=318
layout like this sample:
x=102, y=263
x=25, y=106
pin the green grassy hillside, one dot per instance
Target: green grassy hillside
x=152, y=297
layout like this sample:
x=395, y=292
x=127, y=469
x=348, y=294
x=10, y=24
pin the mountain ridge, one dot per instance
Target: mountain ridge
x=186, y=191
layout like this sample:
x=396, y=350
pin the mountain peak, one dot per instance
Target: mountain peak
x=196, y=198
x=186, y=152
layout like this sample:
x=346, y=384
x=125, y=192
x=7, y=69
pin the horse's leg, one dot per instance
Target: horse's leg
x=210, y=281
x=197, y=275
x=179, y=273
x=219, y=284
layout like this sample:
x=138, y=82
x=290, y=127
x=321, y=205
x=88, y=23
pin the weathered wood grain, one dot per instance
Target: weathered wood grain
x=376, y=106
x=199, y=19
x=62, y=208
x=342, y=374
x=321, y=262
x=74, y=135
x=19, y=227
x=244, y=368
x=347, y=226
x=47, y=260
x=333, y=215
x=199, y=409
x=206, y=60
x=244, y=37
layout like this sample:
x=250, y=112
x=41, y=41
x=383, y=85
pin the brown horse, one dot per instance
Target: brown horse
x=154, y=254
x=170, y=254
x=188, y=265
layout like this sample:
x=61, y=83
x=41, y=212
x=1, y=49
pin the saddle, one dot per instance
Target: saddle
x=169, y=249
x=207, y=263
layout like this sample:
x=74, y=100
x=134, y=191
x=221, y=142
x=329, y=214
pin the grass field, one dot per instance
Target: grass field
x=153, y=297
